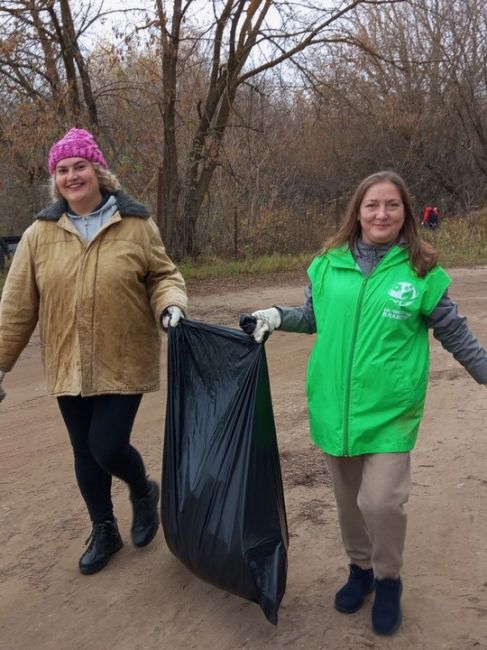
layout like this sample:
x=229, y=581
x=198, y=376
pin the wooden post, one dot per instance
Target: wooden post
x=235, y=231
x=159, y=200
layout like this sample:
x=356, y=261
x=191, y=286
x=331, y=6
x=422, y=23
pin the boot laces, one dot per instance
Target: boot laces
x=95, y=532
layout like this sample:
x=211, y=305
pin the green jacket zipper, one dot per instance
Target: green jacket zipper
x=346, y=414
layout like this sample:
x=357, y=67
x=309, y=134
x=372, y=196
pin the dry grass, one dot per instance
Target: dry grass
x=215, y=267
x=459, y=241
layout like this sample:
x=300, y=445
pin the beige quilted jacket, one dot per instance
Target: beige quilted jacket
x=97, y=304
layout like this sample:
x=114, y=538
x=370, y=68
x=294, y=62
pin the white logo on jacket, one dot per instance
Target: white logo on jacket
x=403, y=293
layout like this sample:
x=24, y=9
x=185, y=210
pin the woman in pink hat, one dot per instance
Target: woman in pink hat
x=93, y=274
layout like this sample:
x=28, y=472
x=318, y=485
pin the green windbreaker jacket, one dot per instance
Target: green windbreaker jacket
x=368, y=370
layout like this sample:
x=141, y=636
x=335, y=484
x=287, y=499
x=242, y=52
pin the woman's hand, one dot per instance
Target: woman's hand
x=171, y=316
x=267, y=321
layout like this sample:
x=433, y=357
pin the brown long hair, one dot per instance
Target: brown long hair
x=422, y=255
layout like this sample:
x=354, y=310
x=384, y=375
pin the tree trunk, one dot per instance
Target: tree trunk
x=73, y=55
x=170, y=186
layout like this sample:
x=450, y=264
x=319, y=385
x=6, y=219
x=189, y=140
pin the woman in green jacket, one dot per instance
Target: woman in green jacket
x=374, y=291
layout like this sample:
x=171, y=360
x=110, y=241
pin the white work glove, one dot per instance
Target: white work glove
x=267, y=321
x=2, y=392
x=171, y=316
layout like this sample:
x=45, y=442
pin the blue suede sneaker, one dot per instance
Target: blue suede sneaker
x=386, y=610
x=351, y=596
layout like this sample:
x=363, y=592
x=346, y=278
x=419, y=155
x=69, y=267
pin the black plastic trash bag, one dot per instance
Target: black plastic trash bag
x=222, y=507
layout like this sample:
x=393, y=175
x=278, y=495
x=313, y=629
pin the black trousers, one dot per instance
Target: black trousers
x=99, y=429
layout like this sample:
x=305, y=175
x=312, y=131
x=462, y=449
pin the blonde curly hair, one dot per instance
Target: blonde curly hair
x=107, y=179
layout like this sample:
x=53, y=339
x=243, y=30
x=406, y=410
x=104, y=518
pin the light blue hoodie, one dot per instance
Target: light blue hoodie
x=88, y=225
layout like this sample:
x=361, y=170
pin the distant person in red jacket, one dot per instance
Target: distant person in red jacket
x=431, y=217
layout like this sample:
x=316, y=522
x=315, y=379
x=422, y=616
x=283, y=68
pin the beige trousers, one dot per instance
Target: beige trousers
x=371, y=492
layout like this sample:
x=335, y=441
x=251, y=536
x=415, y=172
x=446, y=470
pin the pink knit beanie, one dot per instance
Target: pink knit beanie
x=76, y=143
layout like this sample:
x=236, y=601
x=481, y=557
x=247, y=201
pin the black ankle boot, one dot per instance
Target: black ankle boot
x=350, y=597
x=386, y=610
x=146, y=517
x=104, y=541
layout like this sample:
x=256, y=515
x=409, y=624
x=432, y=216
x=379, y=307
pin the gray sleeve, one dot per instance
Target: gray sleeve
x=452, y=331
x=299, y=319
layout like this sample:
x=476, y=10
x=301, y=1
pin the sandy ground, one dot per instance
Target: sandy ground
x=146, y=599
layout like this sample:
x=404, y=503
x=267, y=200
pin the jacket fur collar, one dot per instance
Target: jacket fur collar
x=127, y=206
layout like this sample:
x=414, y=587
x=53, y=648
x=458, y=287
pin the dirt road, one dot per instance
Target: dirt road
x=146, y=599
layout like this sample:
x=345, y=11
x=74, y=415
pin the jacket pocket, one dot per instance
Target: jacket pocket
x=141, y=359
x=383, y=388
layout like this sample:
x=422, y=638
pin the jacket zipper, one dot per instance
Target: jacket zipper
x=346, y=414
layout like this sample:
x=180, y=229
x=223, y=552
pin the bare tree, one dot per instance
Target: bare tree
x=257, y=110
x=45, y=79
x=246, y=38
x=412, y=98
